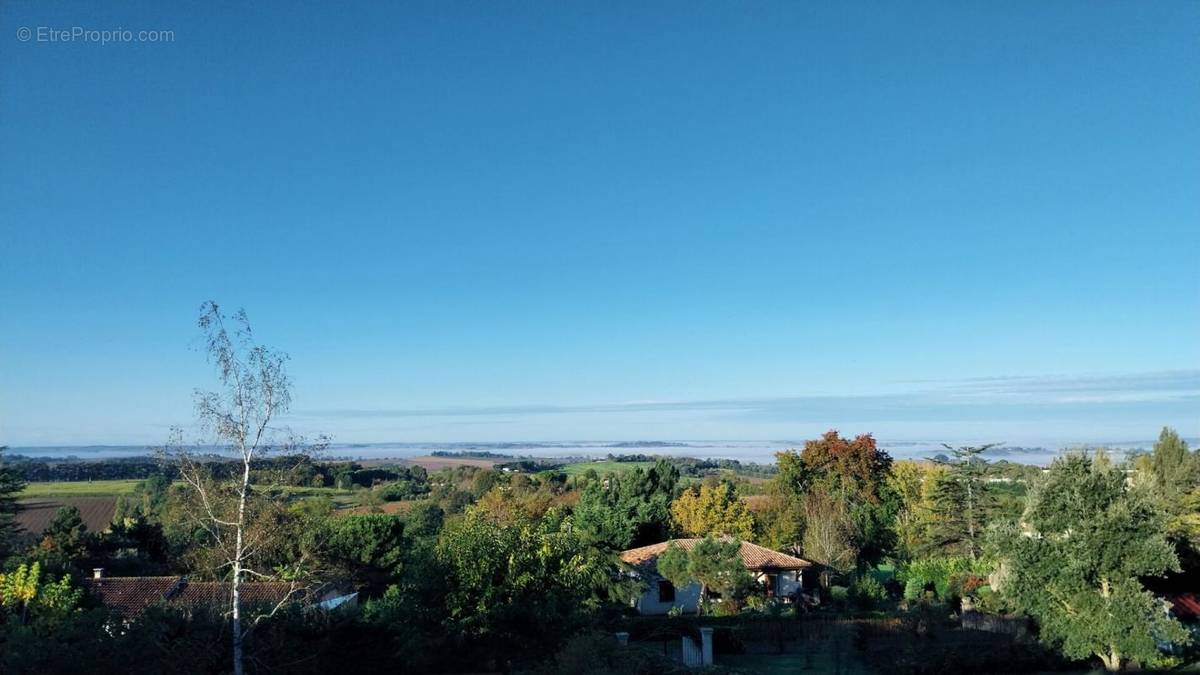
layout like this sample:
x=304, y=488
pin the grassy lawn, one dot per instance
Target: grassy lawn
x=96, y=488
x=884, y=572
x=602, y=468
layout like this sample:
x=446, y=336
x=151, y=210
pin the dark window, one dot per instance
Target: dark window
x=666, y=591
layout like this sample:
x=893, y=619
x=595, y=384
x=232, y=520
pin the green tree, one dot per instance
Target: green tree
x=65, y=540
x=962, y=501
x=27, y=595
x=519, y=582
x=1172, y=464
x=713, y=510
x=851, y=471
x=779, y=522
x=1089, y=539
x=714, y=564
x=913, y=483
x=1174, y=474
x=146, y=500
x=368, y=549
x=11, y=485
x=627, y=509
x=425, y=519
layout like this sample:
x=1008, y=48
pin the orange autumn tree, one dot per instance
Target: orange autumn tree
x=851, y=472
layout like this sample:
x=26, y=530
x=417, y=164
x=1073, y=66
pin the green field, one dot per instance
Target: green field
x=341, y=498
x=602, y=468
x=96, y=488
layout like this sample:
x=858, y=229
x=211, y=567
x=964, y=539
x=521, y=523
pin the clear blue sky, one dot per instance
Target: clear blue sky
x=546, y=221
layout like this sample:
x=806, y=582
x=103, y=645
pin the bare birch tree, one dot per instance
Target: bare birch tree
x=240, y=418
x=829, y=535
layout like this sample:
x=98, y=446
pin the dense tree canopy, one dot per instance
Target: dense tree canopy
x=496, y=570
x=1076, y=569
x=628, y=509
x=366, y=549
x=853, y=472
x=518, y=581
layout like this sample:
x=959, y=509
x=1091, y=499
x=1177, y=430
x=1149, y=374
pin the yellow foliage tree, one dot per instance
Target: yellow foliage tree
x=25, y=594
x=713, y=511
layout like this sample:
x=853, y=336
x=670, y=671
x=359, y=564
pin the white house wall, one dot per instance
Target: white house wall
x=788, y=582
x=687, y=598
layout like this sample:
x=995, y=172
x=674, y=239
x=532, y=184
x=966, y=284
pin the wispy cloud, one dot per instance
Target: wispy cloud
x=1150, y=383
x=928, y=398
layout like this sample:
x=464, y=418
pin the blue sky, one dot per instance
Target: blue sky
x=548, y=221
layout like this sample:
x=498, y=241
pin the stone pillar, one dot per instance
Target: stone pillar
x=622, y=638
x=693, y=656
x=706, y=656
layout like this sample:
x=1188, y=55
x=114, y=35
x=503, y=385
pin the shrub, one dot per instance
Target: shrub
x=991, y=602
x=867, y=592
x=913, y=590
x=724, y=607
x=761, y=603
x=400, y=490
x=946, y=575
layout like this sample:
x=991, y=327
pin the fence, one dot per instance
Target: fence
x=852, y=644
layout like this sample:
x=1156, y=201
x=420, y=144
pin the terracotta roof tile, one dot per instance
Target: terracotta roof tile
x=754, y=557
x=129, y=596
x=1185, y=605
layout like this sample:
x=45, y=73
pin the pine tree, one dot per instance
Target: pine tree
x=962, y=501
x=11, y=485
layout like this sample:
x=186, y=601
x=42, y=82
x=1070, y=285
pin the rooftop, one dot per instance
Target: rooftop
x=129, y=596
x=754, y=557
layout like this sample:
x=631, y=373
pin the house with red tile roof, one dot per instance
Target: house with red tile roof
x=130, y=596
x=781, y=574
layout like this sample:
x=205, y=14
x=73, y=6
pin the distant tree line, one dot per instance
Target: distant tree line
x=692, y=466
x=42, y=470
x=470, y=454
x=288, y=470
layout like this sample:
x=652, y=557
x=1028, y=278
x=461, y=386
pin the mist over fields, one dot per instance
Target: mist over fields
x=747, y=451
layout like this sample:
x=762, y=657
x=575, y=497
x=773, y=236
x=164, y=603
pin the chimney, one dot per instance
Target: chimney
x=97, y=573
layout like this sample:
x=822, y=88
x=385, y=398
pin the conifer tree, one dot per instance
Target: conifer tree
x=11, y=485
